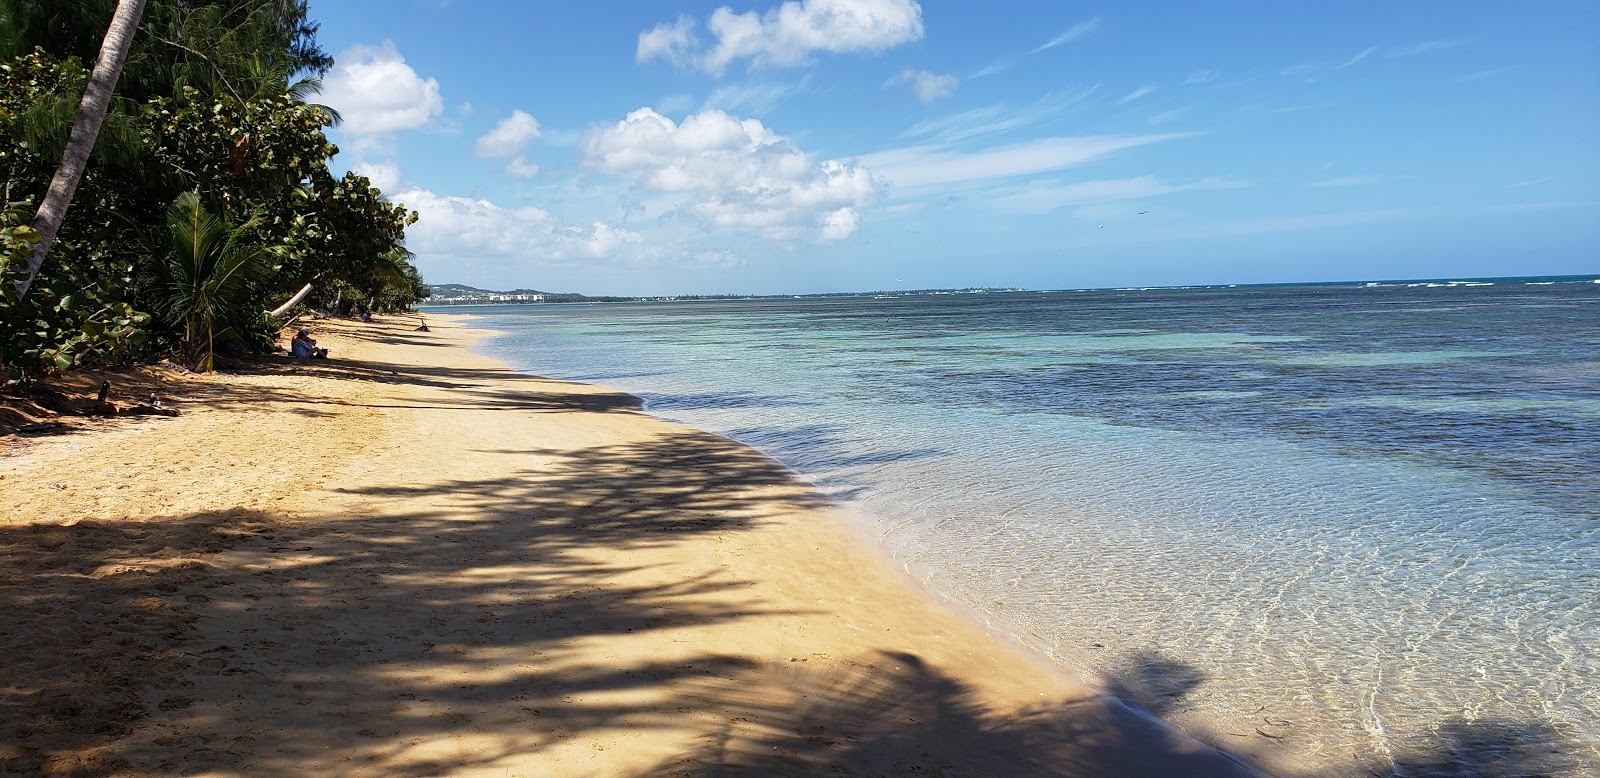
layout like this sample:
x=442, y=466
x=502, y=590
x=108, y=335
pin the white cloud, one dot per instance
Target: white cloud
x=1367, y=52
x=925, y=85
x=727, y=173
x=1046, y=197
x=1078, y=31
x=996, y=118
x=1202, y=77
x=509, y=136
x=1136, y=94
x=385, y=175
x=1425, y=47
x=785, y=36
x=376, y=92
x=676, y=43
x=750, y=98
x=932, y=166
x=519, y=167
x=463, y=227
x=840, y=224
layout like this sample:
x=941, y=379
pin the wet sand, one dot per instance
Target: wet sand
x=408, y=560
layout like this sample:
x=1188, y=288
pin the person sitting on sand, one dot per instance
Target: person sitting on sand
x=304, y=347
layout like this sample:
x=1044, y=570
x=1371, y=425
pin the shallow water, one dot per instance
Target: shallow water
x=1357, y=525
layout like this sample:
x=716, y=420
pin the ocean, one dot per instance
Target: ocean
x=1353, y=525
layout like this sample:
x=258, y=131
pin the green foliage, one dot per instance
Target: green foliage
x=207, y=44
x=68, y=320
x=207, y=105
x=211, y=270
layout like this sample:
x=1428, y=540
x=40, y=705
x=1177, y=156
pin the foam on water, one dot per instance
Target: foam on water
x=1340, y=522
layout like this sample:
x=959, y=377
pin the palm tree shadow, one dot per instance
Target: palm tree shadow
x=1487, y=748
x=894, y=714
x=1153, y=682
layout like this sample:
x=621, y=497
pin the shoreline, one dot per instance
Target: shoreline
x=411, y=559
x=853, y=520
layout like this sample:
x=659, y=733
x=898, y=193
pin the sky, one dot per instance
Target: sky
x=677, y=147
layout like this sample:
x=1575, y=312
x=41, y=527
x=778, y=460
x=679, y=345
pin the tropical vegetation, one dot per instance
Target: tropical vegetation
x=207, y=199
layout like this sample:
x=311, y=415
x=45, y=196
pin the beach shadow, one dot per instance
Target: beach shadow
x=1487, y=748
x=470, y=389
x=290, y=626
x=1153, y=683
x=94, y=613
x=891, y=713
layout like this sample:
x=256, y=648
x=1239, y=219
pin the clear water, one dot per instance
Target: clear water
x=1357, y=527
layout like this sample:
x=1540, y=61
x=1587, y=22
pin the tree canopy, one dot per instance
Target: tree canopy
x=210, y=121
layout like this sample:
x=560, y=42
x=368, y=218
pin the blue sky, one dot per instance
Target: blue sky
x=838, y=145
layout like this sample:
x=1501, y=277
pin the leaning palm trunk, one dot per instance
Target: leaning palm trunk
x=85, y=128
x=283, y=309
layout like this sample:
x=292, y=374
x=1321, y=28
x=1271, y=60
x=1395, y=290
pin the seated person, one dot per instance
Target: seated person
x=305, y=348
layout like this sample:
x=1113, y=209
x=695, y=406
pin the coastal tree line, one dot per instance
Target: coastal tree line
x=207, y=204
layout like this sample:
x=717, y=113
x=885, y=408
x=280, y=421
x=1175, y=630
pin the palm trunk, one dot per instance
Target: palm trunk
x=85, y=128
x=298, y=296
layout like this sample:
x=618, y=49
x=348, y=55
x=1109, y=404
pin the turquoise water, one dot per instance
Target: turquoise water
x=1358, y=526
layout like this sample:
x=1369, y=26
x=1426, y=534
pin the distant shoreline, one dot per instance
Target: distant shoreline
x=563, y=298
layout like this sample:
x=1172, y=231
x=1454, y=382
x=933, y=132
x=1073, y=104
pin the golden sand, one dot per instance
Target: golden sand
x=408, y=560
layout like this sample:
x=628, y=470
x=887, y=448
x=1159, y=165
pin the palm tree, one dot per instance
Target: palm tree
x=211, y=273
x=85, y=127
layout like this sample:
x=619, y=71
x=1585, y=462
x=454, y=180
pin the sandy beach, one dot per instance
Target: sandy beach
x=408, y=560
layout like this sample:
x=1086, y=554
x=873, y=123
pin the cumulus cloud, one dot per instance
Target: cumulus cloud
x=376, y=92
x=520, y=167
x=728, y=173
x=509, y=136
x=675, y=43
x=839, y=224
x=925, y=85
x=385, y=175
x=451, y=226
x=784, y=36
